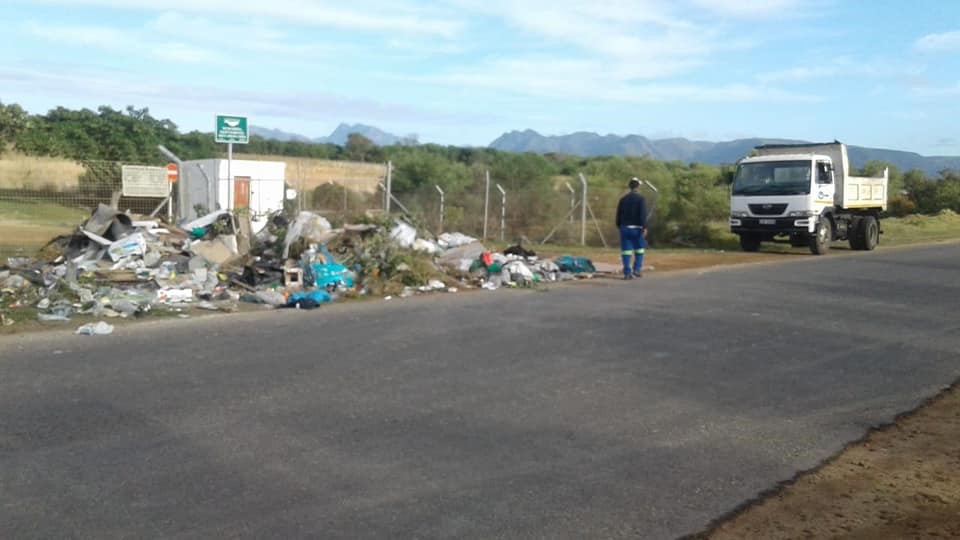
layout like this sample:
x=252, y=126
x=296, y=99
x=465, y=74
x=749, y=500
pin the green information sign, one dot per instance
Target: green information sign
x=232, y=129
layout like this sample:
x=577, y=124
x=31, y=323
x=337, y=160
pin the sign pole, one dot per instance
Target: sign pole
x=229, y=175
x=231, y=129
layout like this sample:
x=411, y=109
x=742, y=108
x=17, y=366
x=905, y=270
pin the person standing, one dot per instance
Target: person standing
x=632, y=224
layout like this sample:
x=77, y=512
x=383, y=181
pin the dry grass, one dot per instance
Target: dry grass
x=308, y=173
x=18, y=171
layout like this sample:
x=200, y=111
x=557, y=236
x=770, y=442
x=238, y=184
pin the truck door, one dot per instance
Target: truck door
x=824, y=187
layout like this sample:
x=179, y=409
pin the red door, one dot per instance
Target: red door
x=241, y=192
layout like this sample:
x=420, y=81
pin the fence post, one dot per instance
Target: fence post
x=441, y=207
x=503, y=211
x=389, y=188
x=486, y=205
x=181, y=178
x=583, y=213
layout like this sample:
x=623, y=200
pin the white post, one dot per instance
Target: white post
x=653, y=206
x=573, y=199
x=583, y=212
x=181, y=175
x=389, y=188
x=503, y=211
x=486, y=206
x=230, y=193
x=441, y=207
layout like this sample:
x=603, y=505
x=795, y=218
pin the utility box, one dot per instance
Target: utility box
x=259, y=186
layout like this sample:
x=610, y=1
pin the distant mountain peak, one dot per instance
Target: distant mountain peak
x=338, y=136
x=589, y=144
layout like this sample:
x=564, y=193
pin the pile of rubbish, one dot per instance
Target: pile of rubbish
x=121, y=265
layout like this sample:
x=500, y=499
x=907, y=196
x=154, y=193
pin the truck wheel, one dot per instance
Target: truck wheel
x=869, y=233
x=855, y=235
x=820, y=241
x=749, y=242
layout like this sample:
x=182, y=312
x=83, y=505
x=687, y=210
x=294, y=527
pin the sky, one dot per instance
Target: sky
x=878, y=73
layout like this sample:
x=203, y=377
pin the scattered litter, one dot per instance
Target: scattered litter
x=311, y=300
x=174, y=296
x=135, y=244
x=95, y=329
x=454, y=240
x=122, y=265
x=404, y=235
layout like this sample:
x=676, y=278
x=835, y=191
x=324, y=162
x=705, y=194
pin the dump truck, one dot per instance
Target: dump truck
x=805, y=194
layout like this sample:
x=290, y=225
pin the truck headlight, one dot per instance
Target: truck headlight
x=800, y=213
x=738, y=214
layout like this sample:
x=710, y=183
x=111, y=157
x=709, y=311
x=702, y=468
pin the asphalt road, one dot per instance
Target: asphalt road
x=612, y=409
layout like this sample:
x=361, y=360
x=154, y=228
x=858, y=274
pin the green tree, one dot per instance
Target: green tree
x=360, y=148
x=922, y=192
x=948, y=190
x=13, y=121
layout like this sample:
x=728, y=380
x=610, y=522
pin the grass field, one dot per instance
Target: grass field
x=18, y=171
x=27, y=225
x=309, y=173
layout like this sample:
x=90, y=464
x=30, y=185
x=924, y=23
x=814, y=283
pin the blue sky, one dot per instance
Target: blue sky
x=878, y=73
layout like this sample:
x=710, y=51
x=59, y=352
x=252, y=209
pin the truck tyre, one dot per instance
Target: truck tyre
x=820, y=241
x=869, y=233
x=749, y=242
x=855, y=235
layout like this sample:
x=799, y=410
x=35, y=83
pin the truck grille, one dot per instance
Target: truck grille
x=767, y=209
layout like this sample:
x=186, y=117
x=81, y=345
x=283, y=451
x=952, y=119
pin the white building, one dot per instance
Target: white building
x=257, y=185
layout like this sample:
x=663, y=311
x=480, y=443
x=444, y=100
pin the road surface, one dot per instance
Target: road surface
x=608, y=409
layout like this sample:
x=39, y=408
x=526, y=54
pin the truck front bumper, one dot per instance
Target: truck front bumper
x=770, y=226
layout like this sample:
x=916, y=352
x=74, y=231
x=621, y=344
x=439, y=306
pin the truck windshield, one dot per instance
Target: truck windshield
x=773, y=178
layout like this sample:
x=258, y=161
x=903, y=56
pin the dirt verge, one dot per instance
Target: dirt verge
x=899, y=481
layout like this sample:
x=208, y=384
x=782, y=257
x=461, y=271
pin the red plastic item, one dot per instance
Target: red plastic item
x=486, y=259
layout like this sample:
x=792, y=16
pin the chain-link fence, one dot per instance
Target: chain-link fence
x=554, y=214
x=42, y=198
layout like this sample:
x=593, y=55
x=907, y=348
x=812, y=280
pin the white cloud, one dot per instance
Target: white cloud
x=184, y=54
x=949, y=91
x=93, y=36
x=371, y=16
x=844, y=67
x=254, y=36
x=752, y=8
x=622, y=50
x=121, y=89
x=122, y=41
x=946, y=41
x=584, y=79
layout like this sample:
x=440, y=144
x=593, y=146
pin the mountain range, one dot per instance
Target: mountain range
x=338, y=137
x=712, y=153
x=589, y=144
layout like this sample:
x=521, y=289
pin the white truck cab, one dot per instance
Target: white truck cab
x=805, y=194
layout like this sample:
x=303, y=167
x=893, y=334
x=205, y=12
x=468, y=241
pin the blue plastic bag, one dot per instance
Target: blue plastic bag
x=310, y=300
x=575, y=265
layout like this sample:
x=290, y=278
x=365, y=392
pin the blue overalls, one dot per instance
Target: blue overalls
x=631, y=220
x=632, y=245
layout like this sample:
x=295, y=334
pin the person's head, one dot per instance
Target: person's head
x=634, y=183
